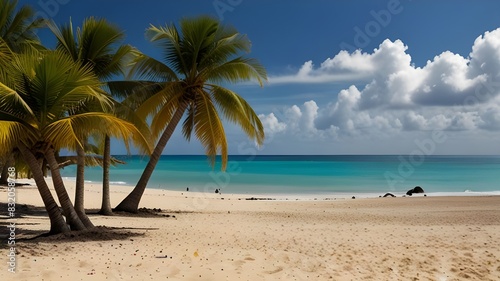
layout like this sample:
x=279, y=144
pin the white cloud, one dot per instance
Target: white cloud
x=485, y=55
x=389, y=58
x=450, y=92
x=490, y=119
x=271, y=124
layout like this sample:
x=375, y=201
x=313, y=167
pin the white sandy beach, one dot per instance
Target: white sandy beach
x=220, y=237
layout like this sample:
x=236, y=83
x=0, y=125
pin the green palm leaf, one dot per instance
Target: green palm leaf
x=17, y=28
x=237, y=110
x=64, y=132
x=202, y=53
x=151, y=69
x=209, y=129
x=236, y=70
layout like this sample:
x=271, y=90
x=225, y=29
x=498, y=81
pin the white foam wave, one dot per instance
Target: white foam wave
x=118, y=182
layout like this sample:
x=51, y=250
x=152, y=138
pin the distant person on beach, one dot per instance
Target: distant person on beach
x=217, y=190
x=187, y=188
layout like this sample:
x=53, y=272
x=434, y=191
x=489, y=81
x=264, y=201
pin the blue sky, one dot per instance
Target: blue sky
x=345, y=77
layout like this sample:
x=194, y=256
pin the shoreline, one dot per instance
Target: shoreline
x=326, y=196
x=200, y=236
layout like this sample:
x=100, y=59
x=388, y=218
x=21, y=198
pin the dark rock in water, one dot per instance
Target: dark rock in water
x=416, y=189
x=389, y=194
x=353, y=197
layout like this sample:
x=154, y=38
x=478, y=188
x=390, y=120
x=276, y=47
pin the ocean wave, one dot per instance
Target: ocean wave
x=118, y=182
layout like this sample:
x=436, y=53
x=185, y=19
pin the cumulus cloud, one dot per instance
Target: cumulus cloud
x=271, y=124
x=450, y=92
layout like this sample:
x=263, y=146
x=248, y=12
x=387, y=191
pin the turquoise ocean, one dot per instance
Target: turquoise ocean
x=312, y=175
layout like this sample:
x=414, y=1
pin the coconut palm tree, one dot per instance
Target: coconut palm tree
x=98, y=46
x=17, y=33
x=18, y=28
x=199, y=56
x=126, y=113
x=39, y=101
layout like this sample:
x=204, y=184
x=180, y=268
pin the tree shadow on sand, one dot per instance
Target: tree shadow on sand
x=24, y=234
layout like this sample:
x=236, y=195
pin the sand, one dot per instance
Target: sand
x=224, y=237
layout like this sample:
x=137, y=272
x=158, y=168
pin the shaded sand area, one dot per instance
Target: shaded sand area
x=205, y=237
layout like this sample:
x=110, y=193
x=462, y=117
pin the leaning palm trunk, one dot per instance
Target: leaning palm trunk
x=9, y=161
x=131, y=202
x=5, y=174
x=80, y=188
x=106, y=201
x=69, y=211
x=57, y=223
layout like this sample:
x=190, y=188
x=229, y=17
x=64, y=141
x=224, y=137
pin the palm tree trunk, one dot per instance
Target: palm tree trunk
x=106, y=200
x=69, y=211
x=131, y=202
x=57, y=223
x=80, y=187
x=44, y=167
x=9, y=161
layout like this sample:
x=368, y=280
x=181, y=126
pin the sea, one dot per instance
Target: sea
x=324, y=176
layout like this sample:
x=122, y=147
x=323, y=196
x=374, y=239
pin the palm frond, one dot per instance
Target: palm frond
x=90, y=161
x=238, y=111
x=98, y=38
x=144, y=144
x=209, y=129
x=133, y=93
x=96, y=45
x=168, y=96
x=236, y=70
x=108, y=66
x=64, y=132
x=17, y=28
x=5, y=53
x=13, y=103
x=66, y=40
x=227, y=43
x=188, y=124
x=197, y=38
x=60, y=84
x=168, y=38
x=11, y=133
x=149, y=68
x=7, y=9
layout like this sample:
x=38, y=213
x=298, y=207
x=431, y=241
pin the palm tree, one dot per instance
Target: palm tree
x=17, y=33
x=18, y=28
x=38, y=104
x=199, y=57
x=126, y=113
x=97, y=45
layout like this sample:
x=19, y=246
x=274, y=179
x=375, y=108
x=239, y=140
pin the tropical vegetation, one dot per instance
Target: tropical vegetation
x=68, y=98
x=201, y=55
